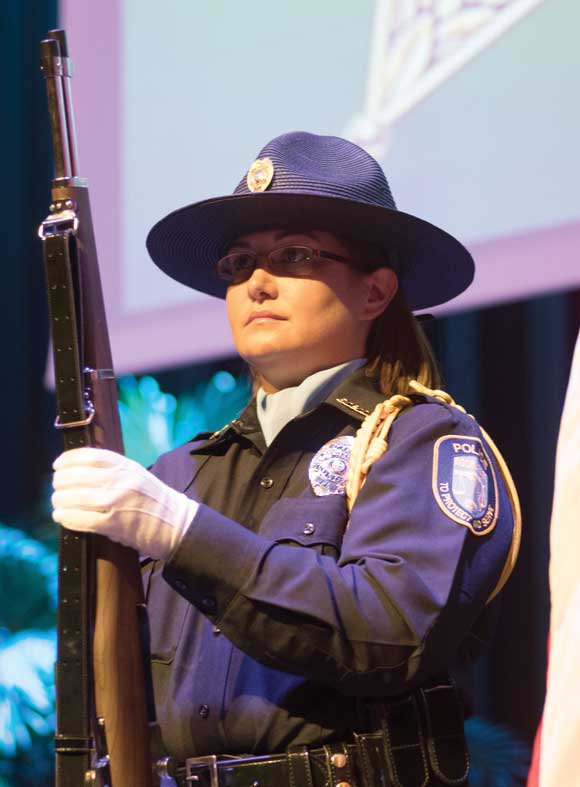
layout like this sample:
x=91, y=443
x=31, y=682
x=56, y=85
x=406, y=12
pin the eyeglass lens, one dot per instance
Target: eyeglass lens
x=288, y=260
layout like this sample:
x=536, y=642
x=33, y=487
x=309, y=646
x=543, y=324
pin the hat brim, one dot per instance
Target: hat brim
x=433, y=266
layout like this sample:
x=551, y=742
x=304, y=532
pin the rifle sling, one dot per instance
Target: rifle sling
x=74, y=700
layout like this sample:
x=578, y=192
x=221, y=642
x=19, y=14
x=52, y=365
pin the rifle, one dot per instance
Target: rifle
x=101, y=671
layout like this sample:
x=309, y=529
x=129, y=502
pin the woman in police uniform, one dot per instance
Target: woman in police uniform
x=317, y=564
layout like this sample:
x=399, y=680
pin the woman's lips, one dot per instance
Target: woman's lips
x=263, y=316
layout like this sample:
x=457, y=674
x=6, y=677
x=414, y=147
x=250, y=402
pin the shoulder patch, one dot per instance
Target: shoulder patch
x=464, y=482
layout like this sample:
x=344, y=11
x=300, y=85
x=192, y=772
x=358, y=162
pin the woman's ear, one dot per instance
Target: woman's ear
x=382, y=286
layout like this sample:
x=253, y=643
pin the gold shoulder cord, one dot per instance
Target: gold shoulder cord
x=371, y=444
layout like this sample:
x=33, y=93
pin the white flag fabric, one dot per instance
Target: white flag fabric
x=560, y=746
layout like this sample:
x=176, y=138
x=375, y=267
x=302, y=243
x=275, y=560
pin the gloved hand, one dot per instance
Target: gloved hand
x=100, y=491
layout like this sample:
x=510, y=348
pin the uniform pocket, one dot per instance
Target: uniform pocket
x=307, y=521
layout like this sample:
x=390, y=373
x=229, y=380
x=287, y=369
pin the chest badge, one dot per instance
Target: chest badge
x=464, y=483
x=329, y=466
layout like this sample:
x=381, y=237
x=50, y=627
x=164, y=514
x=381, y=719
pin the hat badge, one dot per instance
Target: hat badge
x=260, y=174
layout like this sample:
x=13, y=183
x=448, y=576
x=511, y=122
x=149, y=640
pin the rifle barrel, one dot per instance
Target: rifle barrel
x=66, y=81
x=51, y=63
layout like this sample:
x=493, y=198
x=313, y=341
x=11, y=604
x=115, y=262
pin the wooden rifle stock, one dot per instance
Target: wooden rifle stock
x=100, y=664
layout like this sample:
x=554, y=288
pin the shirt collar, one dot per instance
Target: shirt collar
x=356, y=396
x=275, y=410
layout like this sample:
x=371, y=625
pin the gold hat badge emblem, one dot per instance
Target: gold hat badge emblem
x=260, y=174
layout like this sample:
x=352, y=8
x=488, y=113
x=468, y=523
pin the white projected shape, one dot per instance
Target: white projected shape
x=416, y=46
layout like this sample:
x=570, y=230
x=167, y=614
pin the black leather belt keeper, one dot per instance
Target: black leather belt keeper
x=421, y=743
x=446, y=746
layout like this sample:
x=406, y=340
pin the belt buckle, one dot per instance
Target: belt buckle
x=195, y=763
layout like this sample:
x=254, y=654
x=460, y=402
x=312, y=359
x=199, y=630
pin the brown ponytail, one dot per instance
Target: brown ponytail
x=398, y=351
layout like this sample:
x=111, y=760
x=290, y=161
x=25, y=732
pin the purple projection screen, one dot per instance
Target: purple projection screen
x=470, y=107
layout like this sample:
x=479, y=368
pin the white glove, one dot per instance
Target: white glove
x=99, y=491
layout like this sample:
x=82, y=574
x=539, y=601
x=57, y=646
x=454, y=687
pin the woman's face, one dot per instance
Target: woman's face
x=288, y=327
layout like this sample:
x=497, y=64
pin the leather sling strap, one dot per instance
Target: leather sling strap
x=73, y=686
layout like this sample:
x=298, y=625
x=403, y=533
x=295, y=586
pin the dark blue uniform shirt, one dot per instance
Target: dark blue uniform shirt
x=273, y=623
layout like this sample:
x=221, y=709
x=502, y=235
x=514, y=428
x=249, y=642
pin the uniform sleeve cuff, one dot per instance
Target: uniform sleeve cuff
x=213, y=560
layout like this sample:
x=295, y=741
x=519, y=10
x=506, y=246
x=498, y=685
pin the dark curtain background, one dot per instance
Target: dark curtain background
x=24, y=198
x=508, y=365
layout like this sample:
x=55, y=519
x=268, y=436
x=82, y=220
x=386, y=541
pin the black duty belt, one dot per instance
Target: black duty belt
x=421, y=743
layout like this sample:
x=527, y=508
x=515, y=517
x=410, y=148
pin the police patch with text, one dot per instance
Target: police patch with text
x=464, y=483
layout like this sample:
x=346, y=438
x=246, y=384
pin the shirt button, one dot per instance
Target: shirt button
x=208, y=603
x=216, y=631
x=180, y=585
x=266, y=482
x=203, y=711
x=308, y=529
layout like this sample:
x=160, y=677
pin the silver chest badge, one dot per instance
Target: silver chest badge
x=329, y=466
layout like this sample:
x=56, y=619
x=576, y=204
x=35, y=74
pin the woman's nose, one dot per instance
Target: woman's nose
x=262, y=284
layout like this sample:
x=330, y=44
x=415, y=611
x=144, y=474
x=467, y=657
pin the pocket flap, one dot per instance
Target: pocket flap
x=307, y=520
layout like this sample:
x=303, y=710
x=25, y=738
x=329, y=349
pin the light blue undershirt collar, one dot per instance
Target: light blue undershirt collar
x=277, y=409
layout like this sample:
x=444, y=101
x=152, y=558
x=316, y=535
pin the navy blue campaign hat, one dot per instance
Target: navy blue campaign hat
x=303, y=181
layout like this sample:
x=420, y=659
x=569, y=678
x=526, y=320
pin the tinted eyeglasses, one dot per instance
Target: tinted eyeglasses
x=286, y=261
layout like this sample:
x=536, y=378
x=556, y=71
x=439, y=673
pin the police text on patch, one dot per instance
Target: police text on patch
x=465, y=483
